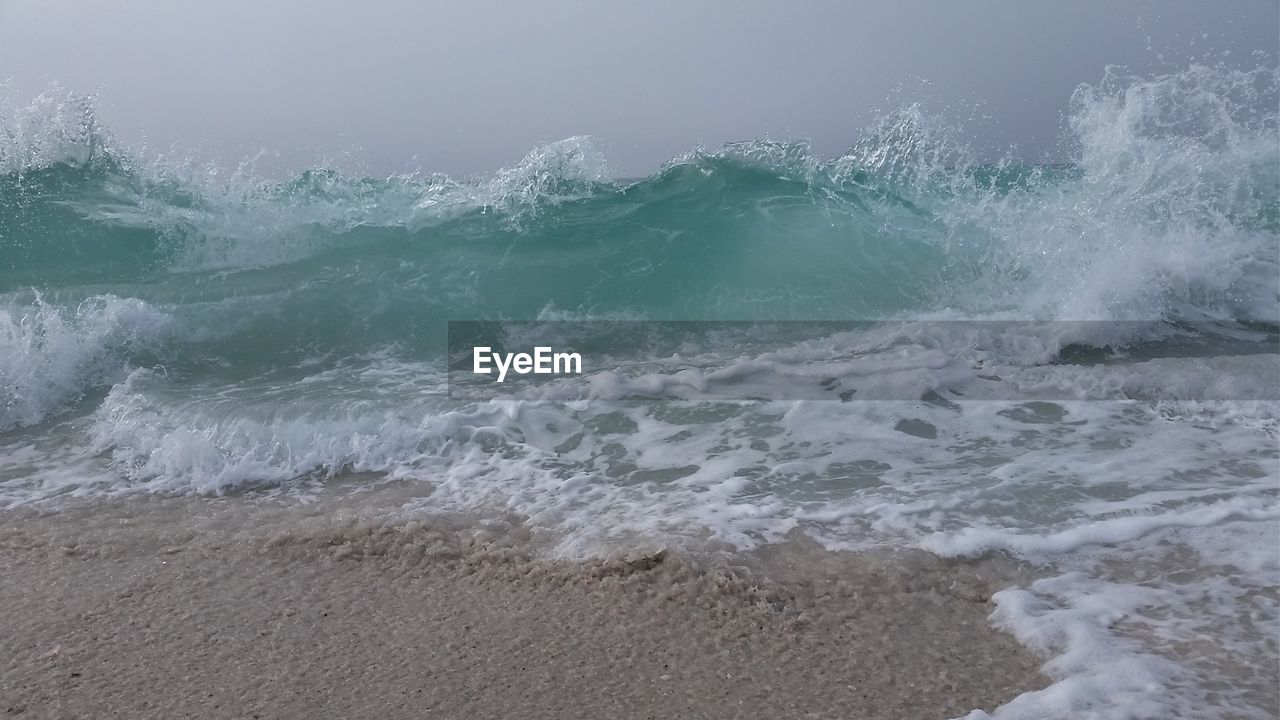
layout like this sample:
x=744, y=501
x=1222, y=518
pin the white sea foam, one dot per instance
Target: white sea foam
x=1096, y=492
x=49, y=356
x=1143, y=490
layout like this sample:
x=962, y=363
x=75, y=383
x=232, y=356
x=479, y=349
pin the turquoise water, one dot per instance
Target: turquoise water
x=169, y=329
x=267, y=275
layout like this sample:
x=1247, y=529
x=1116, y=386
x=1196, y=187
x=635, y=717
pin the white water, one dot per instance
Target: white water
x=1144, y=490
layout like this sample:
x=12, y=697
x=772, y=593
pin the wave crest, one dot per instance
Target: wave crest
x=50, y=356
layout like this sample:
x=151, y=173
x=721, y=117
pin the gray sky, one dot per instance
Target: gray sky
x=469, y=86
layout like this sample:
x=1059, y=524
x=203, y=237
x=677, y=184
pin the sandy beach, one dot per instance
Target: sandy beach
x=232, y=609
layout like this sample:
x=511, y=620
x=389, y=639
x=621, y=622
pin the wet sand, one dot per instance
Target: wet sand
x=202, y=609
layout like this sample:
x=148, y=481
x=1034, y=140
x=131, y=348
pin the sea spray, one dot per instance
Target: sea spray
x=169, y=329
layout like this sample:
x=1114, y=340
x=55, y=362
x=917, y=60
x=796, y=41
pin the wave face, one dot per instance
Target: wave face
x=1168, y=211
x=168, y=328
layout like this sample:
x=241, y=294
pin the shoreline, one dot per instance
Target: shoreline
x=189, y=608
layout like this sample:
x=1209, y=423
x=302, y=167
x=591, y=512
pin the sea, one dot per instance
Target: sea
x=1074, y=366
